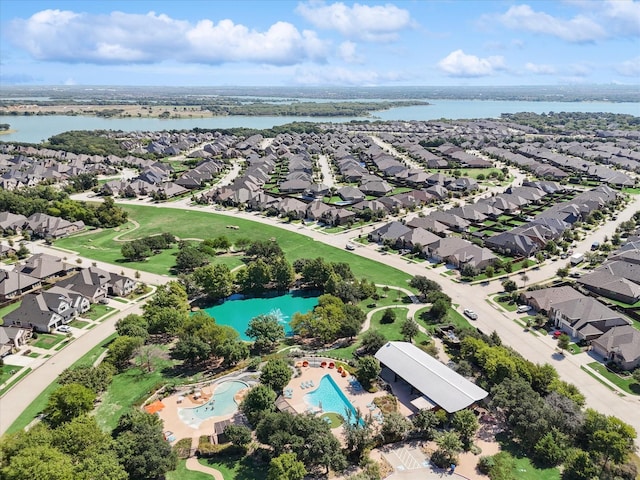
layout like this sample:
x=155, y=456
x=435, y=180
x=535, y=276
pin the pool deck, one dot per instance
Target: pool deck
x=359, y=398
x=173, y=403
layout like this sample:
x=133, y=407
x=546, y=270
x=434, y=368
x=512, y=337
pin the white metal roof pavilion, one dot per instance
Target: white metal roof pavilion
x=436, y=381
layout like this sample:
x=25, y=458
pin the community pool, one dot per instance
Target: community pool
x=222, y=403
x=237, y=313
x=329, y=398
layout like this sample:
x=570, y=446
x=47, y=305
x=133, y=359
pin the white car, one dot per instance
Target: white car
x=471, y=314
x=350, y=246
x=63, y=328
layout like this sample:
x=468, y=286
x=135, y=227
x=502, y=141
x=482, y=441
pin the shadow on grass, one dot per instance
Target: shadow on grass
x=241, y=466
x=507, y=444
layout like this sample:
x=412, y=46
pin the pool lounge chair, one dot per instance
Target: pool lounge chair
x=310, y=383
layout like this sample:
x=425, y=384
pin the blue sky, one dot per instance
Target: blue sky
x=317, y=43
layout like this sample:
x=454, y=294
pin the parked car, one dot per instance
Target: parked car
x=350, y=246
x=63, y=328
x=524, y=308
x=471, y=314
x=104, y=300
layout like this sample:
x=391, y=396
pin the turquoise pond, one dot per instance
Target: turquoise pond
x=237, y=313
x=330, y=398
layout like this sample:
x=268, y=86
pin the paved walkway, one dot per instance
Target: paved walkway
x=194, y=465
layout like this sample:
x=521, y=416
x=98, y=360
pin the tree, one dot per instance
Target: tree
x=372, y=341
x=135, y=251
x=368, y=370
x=238, y=435
x=141, y=446
x=147, y=355
x=215, y=280
x=122, y=349
x=286, y=467
x=282, y=273
x=449, y=446
x=358, y=434
x=409, y=329
x=68, y=402
x=133, y=326
x=550, y=449
x=39, y=463
x=189, y=258
x=258, y=401
x=439, y=309
x=389, y=316
x=424, y=422
x=424, y=285
x=578, y=466
x=563, y=342
x=636, y=375
x=490, y=271
x=192, y=349
x=466, y=424
x=266, y=331
x=562, y=272
x=96, y=379
x=395, y=427
x=276, y=374
x=255, y=278
x=509, y=285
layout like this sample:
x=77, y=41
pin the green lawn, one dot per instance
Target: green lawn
x=97, y=310
x=15, y=380
x=79, y=323
x=127, y=389
x=5, y=372
x=183, y=223
x=629, y=385
x=181, y=473
x=234, y=467
x=34, y=409
x=507, y=305
x=524, y=469
x=47, y=340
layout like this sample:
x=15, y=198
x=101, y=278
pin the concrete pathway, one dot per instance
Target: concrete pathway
x=194, y=465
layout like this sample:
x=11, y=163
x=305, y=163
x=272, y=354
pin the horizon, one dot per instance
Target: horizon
x=318, y=43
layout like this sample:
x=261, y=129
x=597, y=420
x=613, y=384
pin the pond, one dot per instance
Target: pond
x=237, y=312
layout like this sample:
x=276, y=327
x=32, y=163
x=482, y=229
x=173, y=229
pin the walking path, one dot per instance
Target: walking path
x=194, y=465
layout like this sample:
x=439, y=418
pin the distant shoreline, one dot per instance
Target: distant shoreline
x=7, y=132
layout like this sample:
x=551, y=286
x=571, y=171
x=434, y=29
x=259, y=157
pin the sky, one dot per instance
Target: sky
x=319, y=43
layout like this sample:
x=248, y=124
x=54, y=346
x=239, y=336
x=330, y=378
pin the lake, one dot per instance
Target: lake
x=35, y=129
x=237, y=312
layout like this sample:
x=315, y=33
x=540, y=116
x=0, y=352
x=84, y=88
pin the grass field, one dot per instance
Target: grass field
x=129, y=388
x=234, y=467
x=524, y=468
x=181, y=473
x=196, y=224
x=15, y=380
x=6, y=371
x=97, y=310
x=34, y=409
x=629, y=385
x=47, y=340
x=79, y=323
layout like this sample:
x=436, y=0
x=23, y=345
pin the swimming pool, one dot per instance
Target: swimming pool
x=329, y=397
x=222, y=403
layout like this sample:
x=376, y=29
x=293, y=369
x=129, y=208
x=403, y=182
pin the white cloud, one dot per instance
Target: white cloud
x=540, y=68
x=630, y=68
x=380, y=23
x=347, y=51
x=344, y=77
x=622, y=17
x=66, y=36
x=578, y=29
x=459, y=64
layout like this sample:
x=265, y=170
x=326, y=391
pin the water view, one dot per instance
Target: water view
x=237, y=313
x=35, y=129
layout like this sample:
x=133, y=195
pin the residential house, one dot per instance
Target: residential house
x=542, y=300
x=12, y=338
x=45, y=226
x=12, y=223
x=121, y=285
x=620, y=345
x=445, y=247
x=92, y=283
x=391, y=232
x=42, y=312
x=44, y=267
x=603, y=282
x=13, y=284
x=585, y=318
x=474, y=256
